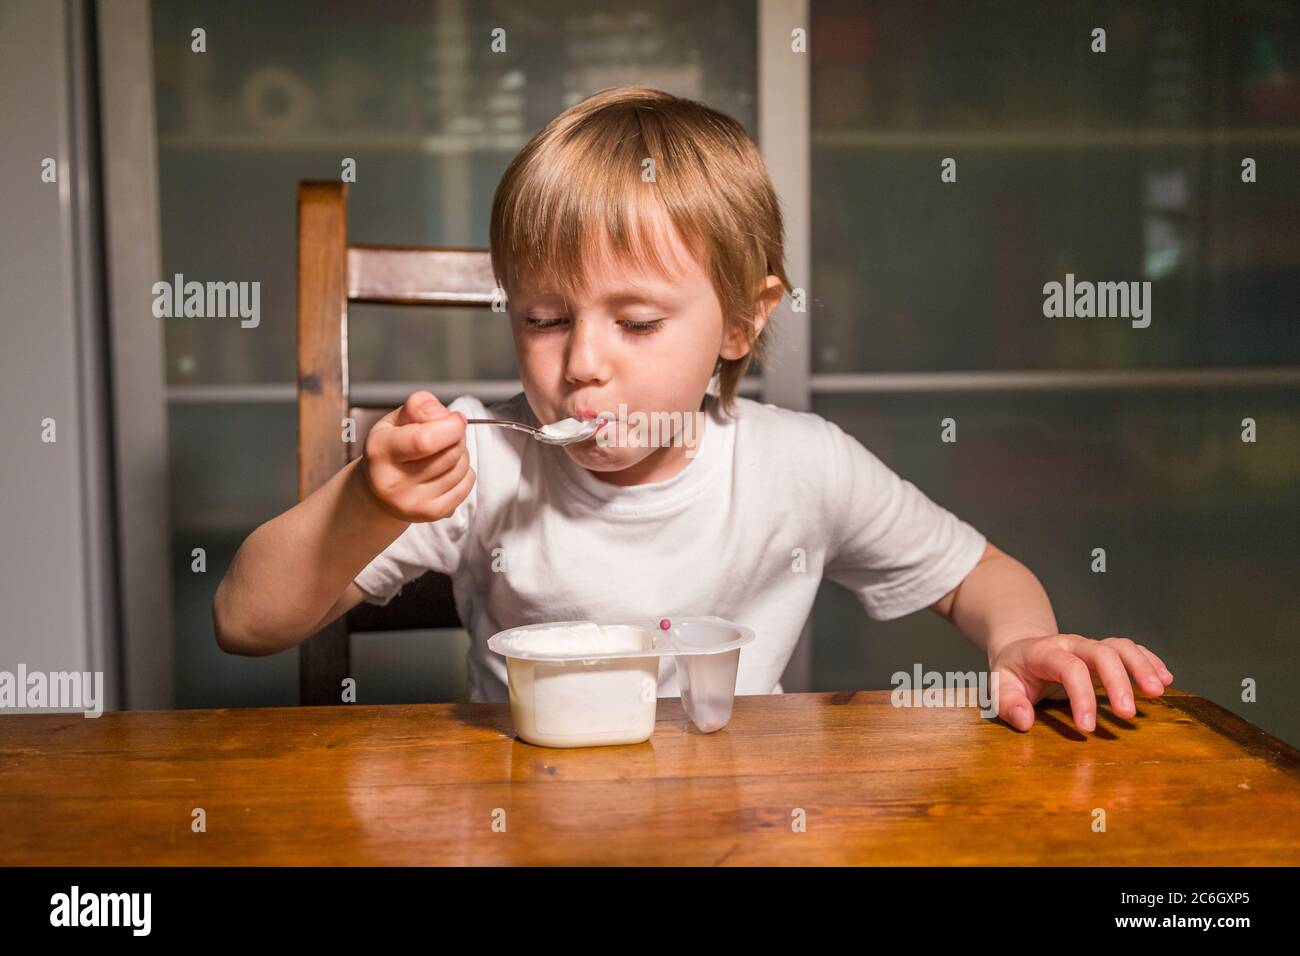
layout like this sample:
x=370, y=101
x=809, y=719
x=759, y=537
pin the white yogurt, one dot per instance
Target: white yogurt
x=567, y=428
x=572, y=428
x=576, y=703
x=584, y=638
x=582, y=684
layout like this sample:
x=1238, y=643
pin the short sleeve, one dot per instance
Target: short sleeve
x=428, y=545
x=893, y=547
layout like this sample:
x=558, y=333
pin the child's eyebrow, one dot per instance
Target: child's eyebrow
x=618, y=297
x=636, y=296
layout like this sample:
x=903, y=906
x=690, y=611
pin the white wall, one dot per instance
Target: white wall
x=57, y=600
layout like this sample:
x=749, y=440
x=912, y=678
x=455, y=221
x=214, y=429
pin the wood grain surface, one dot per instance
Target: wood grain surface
x=1185, y=782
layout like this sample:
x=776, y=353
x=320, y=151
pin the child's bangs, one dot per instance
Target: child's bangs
x=604, y=219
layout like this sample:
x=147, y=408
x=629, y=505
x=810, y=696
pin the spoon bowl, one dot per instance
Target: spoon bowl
x=569, y=431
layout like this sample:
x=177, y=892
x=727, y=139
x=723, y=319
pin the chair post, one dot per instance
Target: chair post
x=323, y=660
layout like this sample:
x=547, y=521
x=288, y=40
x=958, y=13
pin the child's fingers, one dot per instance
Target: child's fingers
x=423, y=470
x=447, y=475
x=433, y=499
x=1068, y=670
x=1106, y=663
x=450, y=499
x=1014, y=707
x=1012, y=699
x=412, y=442
x=1138, y=664
x=420, y=407
x=1165, y=675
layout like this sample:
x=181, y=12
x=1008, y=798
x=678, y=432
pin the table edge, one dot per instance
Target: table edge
x=1254, y=740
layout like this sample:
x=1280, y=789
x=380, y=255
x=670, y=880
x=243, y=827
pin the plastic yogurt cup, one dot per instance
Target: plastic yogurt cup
x=583, y=684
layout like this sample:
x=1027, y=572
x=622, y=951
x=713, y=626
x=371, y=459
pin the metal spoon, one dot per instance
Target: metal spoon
x=565, y=432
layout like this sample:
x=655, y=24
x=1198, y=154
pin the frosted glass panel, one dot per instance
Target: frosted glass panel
x=1117, y=167
x=413, y=92
x=1201, y=530
x=1114, y=167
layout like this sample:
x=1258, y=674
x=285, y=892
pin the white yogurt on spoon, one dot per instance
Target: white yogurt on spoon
x=571, y=428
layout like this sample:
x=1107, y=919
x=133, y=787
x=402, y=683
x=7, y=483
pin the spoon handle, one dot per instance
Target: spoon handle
x=518, y=426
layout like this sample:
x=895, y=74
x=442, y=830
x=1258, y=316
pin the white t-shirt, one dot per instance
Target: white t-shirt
x=772, y=501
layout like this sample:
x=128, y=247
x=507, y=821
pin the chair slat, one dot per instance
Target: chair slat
x=323, y=660
x=409, y=276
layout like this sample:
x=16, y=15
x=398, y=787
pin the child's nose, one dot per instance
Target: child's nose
x=587, y=358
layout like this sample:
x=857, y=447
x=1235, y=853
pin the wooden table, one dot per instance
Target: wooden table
x=1185, y=782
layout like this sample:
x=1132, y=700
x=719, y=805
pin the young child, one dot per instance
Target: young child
x=638, y=241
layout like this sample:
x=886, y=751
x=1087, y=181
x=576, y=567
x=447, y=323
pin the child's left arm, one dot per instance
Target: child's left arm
x=1001, y=606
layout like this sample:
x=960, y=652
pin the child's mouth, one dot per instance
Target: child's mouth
x=586, y=414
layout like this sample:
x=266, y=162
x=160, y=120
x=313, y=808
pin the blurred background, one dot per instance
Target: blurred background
x=925, y=300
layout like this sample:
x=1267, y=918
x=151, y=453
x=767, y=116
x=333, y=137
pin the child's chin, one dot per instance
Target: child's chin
x=595, y=457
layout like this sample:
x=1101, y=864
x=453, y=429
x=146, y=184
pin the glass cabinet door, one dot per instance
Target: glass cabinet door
x=1117, y=166
x=430, y=101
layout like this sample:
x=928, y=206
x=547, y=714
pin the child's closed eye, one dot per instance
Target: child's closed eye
x=642, y=326
x=631, y=326
x=542, y=325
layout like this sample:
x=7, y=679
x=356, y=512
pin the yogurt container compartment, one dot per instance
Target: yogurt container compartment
x=583, y=684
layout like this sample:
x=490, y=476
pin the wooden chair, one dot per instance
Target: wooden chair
x=331, y=275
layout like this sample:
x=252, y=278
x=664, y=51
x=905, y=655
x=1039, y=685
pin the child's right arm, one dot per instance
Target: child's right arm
x=294, y=574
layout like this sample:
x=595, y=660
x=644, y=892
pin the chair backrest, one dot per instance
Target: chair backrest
x=331, y=275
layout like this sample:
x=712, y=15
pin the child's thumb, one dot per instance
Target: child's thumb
x=421, y=407
x=432, y=411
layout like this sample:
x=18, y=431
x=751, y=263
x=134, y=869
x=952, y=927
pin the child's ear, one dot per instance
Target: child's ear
x=734, y=344
x=769, y=297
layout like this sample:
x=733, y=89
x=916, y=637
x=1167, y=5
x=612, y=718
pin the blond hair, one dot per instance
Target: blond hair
x=586, y=169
